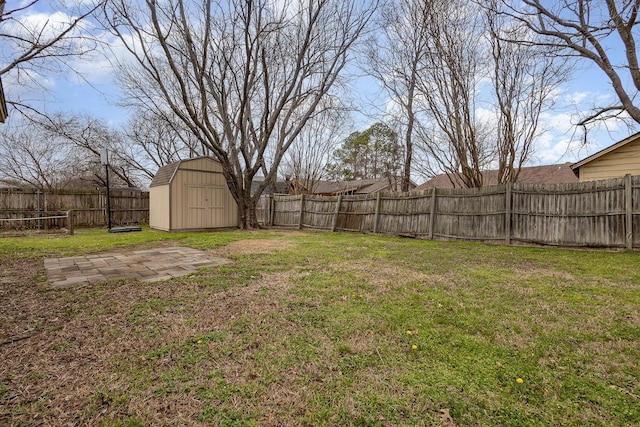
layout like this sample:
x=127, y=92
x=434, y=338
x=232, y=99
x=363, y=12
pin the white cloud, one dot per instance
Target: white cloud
x=47, y=25
x=485, y=115
x=563, y=140
x=577, y=98
x=22, y=82
x=98, y=66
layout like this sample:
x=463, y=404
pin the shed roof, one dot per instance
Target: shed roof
x=576, y=166
x=165, y=174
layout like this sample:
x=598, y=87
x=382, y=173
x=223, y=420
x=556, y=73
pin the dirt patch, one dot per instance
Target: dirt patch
x=530, y=271
x=383, y=275
x=248, y=247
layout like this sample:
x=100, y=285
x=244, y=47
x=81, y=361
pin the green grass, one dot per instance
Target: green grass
x=98, y=240
x=315, y=333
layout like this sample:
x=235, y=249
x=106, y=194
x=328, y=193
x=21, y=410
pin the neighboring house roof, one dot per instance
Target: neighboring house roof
x=6, y=186
x=3, y=105
x=359, y=186
x=547, y=174
x=282, y=187
x=576, y=166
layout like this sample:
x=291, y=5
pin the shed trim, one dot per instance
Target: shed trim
x=199, y=170
x=171, y=205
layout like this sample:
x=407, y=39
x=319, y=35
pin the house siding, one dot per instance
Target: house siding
x=615, y=164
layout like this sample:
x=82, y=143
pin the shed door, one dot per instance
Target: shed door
x=206, y=206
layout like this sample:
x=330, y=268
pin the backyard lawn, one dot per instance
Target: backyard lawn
x=322, y=329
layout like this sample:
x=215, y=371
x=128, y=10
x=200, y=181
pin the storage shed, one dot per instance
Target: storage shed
x=191, y=194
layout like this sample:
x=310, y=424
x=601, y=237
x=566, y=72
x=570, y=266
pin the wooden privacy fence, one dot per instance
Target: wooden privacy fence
x=89, y=208
x=590, y=214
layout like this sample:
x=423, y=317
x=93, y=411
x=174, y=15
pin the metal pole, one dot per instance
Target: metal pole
x=38, y=208
x=104, y=159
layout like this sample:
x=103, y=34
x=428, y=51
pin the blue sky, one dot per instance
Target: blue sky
x=96, y=93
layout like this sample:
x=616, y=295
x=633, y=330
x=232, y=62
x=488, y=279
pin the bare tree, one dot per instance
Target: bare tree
x=59, y=153
x=85, y=137
x=443, y=63
x=32, y=49
x=594, y=31
x=524, y=78
x=154, y=139
x=29, y=158
x=395, y=58
x=305, y=161
x=244, y=76
x=449, y=83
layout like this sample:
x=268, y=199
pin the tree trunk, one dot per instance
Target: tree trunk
x=247, y=211
x=253, y=213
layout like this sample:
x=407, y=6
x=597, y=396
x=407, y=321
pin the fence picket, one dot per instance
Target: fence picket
x=89, y=208
x=595, y=214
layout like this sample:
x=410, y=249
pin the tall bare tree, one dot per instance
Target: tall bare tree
x=154, y=139
x=524, y=77
x=600, y=32
x=33, y=49
x=27, y=160
x=87, y=136
x=305, y=162
x=455, y=64
x=443, y=63
x=396, y=57
x=244, y=76
x=62, y=152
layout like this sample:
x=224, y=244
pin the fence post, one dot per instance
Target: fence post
x=377, y=215
x=507, y=214
x=70, y=222
x=432, y=215
x=272, y=205
x=335, y=215
x=628, y=194
x=301, y=211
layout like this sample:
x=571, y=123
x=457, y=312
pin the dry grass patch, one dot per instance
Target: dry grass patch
x=259, y=246
x=311, y=329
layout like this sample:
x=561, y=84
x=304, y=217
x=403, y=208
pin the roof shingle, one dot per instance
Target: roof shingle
x=164, y=174
x=547, y=174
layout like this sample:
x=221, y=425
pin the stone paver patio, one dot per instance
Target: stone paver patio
x=146, y=265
